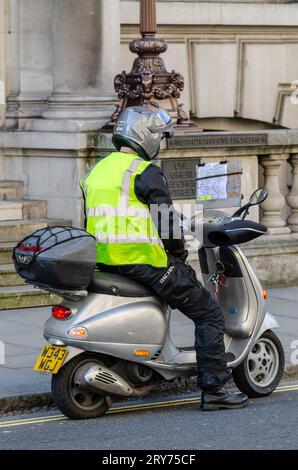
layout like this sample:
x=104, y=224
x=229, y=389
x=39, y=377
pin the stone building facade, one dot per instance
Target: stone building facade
x=237, y=57
x=58, y=59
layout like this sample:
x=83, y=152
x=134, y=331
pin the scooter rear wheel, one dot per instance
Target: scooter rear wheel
x=72, y=401
x=261, y=371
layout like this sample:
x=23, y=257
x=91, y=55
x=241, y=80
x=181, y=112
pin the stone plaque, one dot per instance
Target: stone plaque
x=216, y=140
x=181, y=177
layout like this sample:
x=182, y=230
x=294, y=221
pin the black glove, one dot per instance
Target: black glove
x=181, y=254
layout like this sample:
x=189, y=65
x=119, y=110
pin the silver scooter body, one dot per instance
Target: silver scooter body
x=121, y=326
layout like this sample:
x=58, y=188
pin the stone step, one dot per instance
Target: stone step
x=11, y=190
x=25, y=296
x=6, y=252
x=10, y=210
x=25, y=209
x=9, y=276
x=34, y=209
x=16, y=230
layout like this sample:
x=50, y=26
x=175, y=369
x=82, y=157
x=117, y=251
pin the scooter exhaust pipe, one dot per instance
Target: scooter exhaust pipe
x=107, y=381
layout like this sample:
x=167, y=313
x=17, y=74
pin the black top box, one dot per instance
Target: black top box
x=61, y=257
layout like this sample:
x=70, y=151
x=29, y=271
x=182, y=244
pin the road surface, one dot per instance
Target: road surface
x=165, y=423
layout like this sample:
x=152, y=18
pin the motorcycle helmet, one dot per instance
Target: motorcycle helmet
x=142, y=130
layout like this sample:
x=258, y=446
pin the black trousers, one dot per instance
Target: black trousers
x=179, y=287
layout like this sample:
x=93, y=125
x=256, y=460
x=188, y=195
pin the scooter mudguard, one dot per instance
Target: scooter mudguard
x=72, y=352
x=269, y=323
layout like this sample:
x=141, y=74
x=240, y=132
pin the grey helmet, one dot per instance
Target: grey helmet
x=142, y=130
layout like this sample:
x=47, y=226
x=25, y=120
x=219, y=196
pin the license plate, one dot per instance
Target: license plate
x=51, y=359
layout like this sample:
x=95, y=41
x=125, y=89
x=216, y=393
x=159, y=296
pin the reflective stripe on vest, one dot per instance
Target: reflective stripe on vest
x=123, y=211
x=128, y=239
x=126, y=178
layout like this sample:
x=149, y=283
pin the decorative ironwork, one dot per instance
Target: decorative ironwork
x=149, y=79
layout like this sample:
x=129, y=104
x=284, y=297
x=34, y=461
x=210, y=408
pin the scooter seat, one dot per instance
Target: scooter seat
x=116, y=284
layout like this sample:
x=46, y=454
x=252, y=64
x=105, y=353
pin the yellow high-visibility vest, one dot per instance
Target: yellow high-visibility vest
x=122, y=225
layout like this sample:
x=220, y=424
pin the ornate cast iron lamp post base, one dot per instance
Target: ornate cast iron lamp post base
x=149, y=81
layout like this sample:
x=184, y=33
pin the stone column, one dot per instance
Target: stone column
x=30, y=60
x=4, y=76
x=86, y=44
x=3, y=56
x=273, y=217
x=292, y=198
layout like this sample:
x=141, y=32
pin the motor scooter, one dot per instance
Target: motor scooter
x=114, y=340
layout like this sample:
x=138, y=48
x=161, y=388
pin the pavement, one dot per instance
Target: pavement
x=21, y=337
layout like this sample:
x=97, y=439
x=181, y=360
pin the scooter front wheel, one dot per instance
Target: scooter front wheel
x=74, y=401
x=261, y=371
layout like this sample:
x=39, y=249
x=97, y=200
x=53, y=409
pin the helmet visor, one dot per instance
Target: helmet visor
x=164, y=116
x=162, y=123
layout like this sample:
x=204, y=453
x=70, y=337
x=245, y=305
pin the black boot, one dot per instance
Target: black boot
x=223, y=399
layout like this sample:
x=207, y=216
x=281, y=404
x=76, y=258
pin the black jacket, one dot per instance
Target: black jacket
x=151, y=188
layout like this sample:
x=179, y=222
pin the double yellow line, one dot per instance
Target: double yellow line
x=126, y=409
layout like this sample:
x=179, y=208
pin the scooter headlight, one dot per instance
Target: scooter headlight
x=78, y=332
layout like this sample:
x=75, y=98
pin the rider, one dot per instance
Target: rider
x=118, y=193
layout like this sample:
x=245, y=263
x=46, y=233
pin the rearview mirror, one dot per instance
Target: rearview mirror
x=258, y=196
